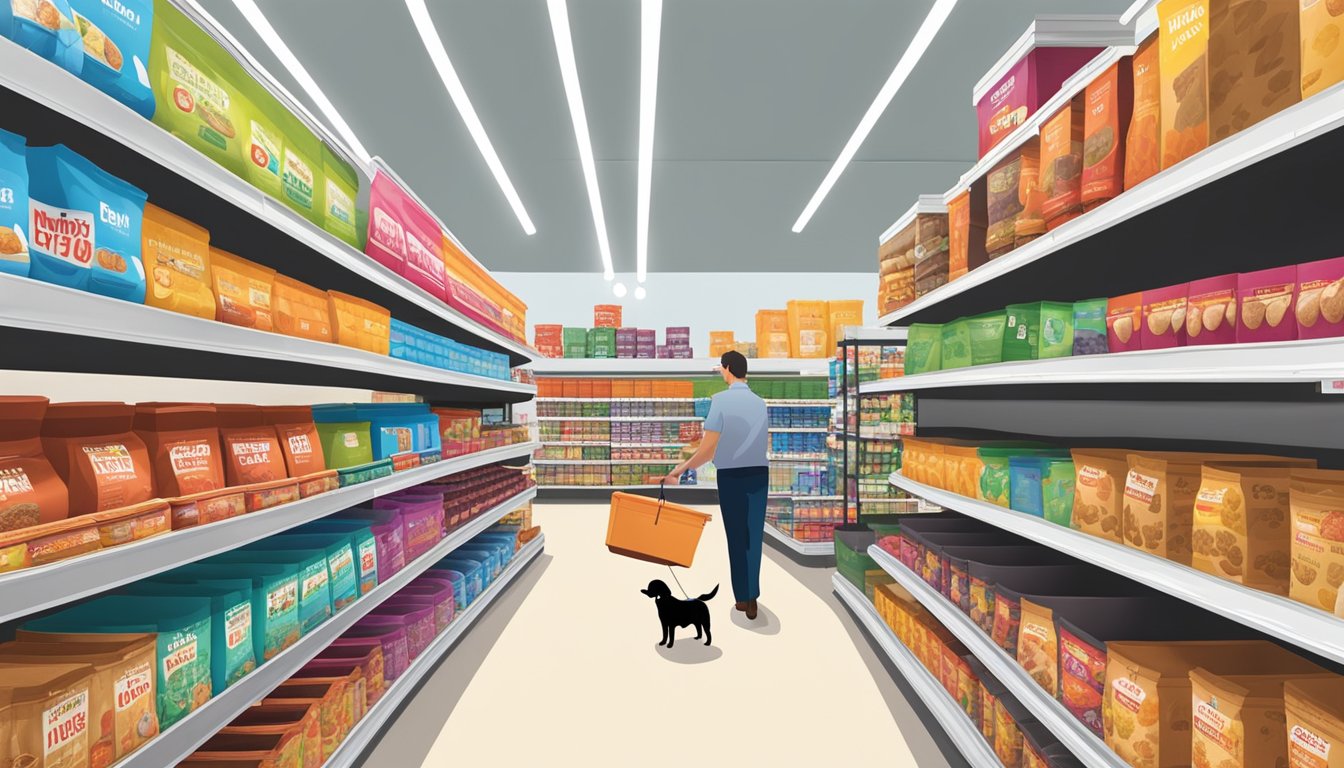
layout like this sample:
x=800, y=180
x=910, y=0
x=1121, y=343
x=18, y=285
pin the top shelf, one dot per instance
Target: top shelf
x=703, y=366
x=1228, y=200
x=48, y=86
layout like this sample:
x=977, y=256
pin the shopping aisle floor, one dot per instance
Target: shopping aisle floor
x=565, y=670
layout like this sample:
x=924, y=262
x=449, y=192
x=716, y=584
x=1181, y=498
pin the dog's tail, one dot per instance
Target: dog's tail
x=709, y=595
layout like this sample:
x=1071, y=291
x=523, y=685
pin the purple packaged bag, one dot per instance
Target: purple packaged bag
x=421, y=519
x=440, y=594
x=388, y=537
x=416, y=616
x=390, y=631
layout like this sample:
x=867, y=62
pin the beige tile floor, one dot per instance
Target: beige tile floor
x=565, y=670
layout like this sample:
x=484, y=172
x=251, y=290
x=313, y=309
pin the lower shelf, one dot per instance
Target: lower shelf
x=368, y=728
x=1083, y=743
x=700, y=487
x=949, y=715
x=174, y=744
x=808, y=548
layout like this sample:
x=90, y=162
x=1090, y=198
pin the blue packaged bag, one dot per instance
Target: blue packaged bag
x=45, y=27
x=13, y=204
x=84, y=227
x=114, y=36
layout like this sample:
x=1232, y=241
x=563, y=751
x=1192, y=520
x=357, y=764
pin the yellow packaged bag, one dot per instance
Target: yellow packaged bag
x=842, y=314
x=242, y=290
x=1241, y=529
x=809, y=336
x=177, y=254
x=1322, y=54
x=772, y=333
x=1317, y=545
x=360, y=324
x=1239, y=719
x=1315, y=710
x=301, y=310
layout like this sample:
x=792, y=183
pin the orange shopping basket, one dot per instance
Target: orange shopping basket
x=654, y=530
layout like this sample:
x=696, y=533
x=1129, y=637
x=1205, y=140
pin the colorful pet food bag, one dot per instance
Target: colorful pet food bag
x=45, y=27
x=84, y=227
x=13, y=204
x=115, y=38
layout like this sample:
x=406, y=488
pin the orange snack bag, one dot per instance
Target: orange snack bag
x=301, y=310
x=1061, y=174
x=176, y=253
x=1109, y=100
x=1143, y=145
x=242, y=290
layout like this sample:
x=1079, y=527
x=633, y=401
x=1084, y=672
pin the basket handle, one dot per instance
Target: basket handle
x=662, y=499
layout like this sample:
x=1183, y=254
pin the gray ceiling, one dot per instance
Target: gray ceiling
x=755, y=100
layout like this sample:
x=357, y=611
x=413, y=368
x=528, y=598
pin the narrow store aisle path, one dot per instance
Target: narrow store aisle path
x=565, y=670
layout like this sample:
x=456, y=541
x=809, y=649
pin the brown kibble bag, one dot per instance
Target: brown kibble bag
x=1038, y=645
x=252, y=451
x=1315, y=712
x=48, y=715
x=103, y=463
x=1241, y=529
x=297, y=434
x=1239, y=719
x=31, y=493
x=1098, y=490
x=183, y=443
x=1147, y=697
x=1317, y=546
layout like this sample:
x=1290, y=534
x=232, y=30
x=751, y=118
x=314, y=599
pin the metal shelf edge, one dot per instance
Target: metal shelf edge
x=807, y=548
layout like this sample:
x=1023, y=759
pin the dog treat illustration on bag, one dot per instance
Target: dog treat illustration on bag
x=673, y=613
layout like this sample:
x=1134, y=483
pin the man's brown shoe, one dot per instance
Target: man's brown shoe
x=751, y=609
x=740, y=607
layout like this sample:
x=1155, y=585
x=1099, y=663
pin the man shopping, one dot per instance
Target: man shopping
x=737, y=439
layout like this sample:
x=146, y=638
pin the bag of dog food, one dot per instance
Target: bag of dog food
x=31, y=493
x=1109, y=100
x=46, y=28
x=104, y=464
x=1061, y=174
x=84, y=228
x=1317, y=545
x=1230, y=714
x=1315, y=711
x=47, y=716
x=13, y=204
x=1143, y=140
x=115, y=37
x=177, y=254
x=1241, y=529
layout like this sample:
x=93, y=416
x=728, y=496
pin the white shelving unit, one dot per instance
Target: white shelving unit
x=804, y=548
x=700, y=366
x=1084, y=744
x=383, y=712
x=31, y=590
x=183, y=738
x=1297, y=624
x=962, y=732
x=698, y=487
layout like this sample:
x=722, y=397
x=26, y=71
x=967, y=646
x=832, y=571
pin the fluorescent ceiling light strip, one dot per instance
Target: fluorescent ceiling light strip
x=651, y=23
x=263, y=27
x=434, y=45
x=923, y=38
x=1138, y=7
x=569, y=72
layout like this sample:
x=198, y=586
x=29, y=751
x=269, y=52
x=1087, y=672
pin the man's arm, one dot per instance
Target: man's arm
x=702, y=455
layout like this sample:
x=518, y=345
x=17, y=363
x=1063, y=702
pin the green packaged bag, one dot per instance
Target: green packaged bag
x=1089, y=327
x=264, y=152
x=996, y=476
x=1042, y=329
x=340, y=196
x=233, y=652
x=923, y=348
x=362, y=543
x=340, y=560
x=195, y=83
x=275, y=599
x=986, y=332
x=956, y=345
x=314, y=579
x=345, y=443
x=181, y=626
x=1056, y=329
x=1057, y=485
x=301, y=167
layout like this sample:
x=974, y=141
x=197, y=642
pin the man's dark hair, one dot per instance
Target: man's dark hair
x=735, y=362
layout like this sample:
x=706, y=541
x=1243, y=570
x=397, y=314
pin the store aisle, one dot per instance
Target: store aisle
x=565, y=670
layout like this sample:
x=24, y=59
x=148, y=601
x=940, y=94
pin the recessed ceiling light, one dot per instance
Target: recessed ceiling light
x=651, y=23
x=268, y=35
x=619, y=289
x=569, y=73
x=640, y=293
x=918, y=45
x=439, y=55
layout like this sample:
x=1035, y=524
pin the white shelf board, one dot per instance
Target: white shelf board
x=184, y=737
x=703, y=366
x=29, y=75
x=798, y=403
x=565, y=462
x=30, y=590
x=647, y=445
x=587, y=444
x=620, y=418
x=1300, y=625
x=39, y=306
x=806, y=548
x=618, y=399
x=385, y=710
x=802, y=496
x=1265, y=363
x=1295, y=125
x=1084, y=744
x=700, y=487
x=816, y=430
x=954, y=720
x=797, y=457
x=573, y=418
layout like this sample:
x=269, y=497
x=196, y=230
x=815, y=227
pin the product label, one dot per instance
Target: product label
x=1307, y=749
x=339, y=204
x=66, y=724
x=14, y=482
x=181, y=653
x=110, y=463
x=251, y=453
x=282, y=599
x=400, y=435
x=62, y=233
x=339, y=563
x=298, y=180
x=387, y=231
x=194, y=86
x=1090, y=476
x=368, y=559
x=313, y=582
x=299, y=445
x=168, y=253
x=133, y=687
x=1212, y=724
x=189, y=457
x=351, y=439
x=238, y=625
x=1140, y=487
x=265, y=151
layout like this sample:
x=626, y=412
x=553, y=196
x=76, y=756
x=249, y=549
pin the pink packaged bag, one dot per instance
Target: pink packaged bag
x=390, y=631
x=418, y=618
x=1211, y=311
x=1319, y=309
x=435, y=592
x=387, y=235
x=421, y=519
x=1164, y=317
x=1266, y=303
x=424, y=250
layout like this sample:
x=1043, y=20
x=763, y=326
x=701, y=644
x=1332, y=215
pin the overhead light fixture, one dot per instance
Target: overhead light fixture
x=651, y=24
x=619, y=289
x=569, y=72
x=434, y=46
x=640, y=293
x=923, y=37
x=1134, y=10
x=262, y=26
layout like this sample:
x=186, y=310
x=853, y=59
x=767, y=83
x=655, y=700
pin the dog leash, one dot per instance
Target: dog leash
x=662, y=499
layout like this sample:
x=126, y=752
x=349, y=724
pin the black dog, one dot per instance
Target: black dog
x=673, y=613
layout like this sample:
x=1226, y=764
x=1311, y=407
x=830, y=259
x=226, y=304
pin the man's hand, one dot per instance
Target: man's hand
x=673, y=477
